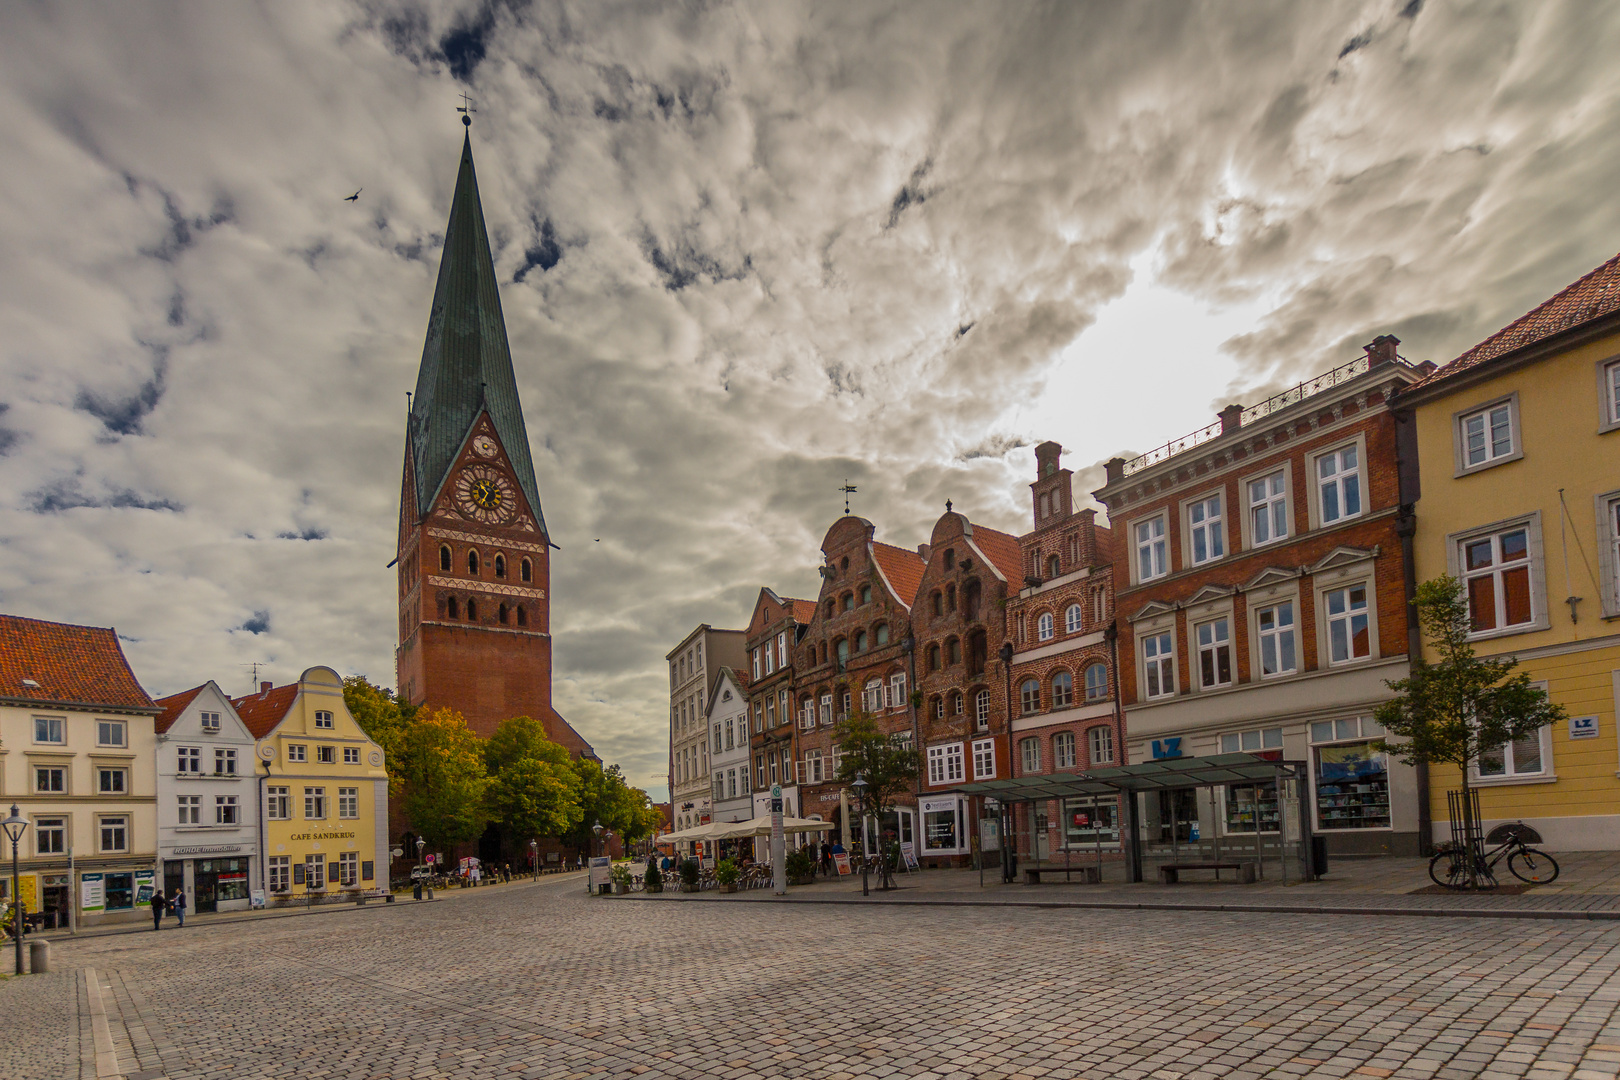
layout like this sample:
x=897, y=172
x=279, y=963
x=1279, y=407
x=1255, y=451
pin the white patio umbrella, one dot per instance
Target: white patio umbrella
x=761, y=826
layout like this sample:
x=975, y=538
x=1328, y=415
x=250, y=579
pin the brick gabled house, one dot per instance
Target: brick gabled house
x=856, y=650
x=959, y=623
x=1062, y=700
x=1260, y=588
x=772, y=643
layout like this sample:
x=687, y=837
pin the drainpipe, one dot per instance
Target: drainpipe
x=1133, y=869
x=1406, y=528
x=1009, y=812
x=909, y=647
x=264, y=853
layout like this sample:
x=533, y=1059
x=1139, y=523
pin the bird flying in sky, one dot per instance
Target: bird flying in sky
x=355, y=196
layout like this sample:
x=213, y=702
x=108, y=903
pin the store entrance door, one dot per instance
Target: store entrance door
x=58, y=894
x=205, y=886
x=1178, y=810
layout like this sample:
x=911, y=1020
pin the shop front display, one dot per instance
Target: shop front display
x=1352, y=778
x=219, y=882
x=1252, y=808
x=944, y=826
x=1090, y=822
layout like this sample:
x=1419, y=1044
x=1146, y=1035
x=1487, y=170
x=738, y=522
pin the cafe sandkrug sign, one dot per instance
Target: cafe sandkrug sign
x=322, y=836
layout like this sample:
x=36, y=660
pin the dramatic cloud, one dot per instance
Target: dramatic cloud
x=749, y=251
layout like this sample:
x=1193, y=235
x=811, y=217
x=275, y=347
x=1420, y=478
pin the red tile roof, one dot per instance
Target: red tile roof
x=1003, y=550
x=261, y=712
x=803, y=610
x=66, y=665
x=902, y=567
x=174, y=705
x=1592, y=297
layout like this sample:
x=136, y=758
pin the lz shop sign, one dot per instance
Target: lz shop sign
x=1583, y=727
x=1166, y=748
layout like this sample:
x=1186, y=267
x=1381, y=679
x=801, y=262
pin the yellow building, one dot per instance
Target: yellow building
x=1518, y=447
x=323, y=791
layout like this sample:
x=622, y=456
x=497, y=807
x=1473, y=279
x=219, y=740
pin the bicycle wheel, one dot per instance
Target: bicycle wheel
x=1449, y=869
x=1532, y=866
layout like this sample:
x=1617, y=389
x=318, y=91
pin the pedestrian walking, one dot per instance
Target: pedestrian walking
x=177, y=904
x=826, y=859
x=157, y=909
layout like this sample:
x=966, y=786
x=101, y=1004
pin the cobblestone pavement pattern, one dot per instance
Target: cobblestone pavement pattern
x=539, y=981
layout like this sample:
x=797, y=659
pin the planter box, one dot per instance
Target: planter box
x=808, y=879
x=688, y=888
x=620, y=889
x=732, y=887
x=655, y=888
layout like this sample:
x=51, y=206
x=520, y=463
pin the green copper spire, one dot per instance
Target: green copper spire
x=466, y=362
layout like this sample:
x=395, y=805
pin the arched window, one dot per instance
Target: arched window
x=1030, y=749
x=953, y=651
x=978, y=652
x=866, y=594
x=939, y=603
x=451, y=608
x=849, y=601
x=970, y=600
x=831, y=608
x=527, y=571
x=860, y=641
x=843, y=649
x=843, y=565
x=523, y=615
x=933, y=658
x=1052, y=567
x=939, y=708
x=882, y=633
x=1071, y=619
x=1029, y=696
x=1043, y=627
x=472, y=561
x=501, y=614
x=823, y=652
x=500, y=566
x=872, y=696
x=956, y=703
x=950, y=598
x=1096, y=682
x=1062, y=690
x=472, y=610
x=444, y=558
x=1101, y=740
x=981, y=709
x=950, y=558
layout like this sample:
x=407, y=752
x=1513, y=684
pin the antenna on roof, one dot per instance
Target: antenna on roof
x=848, y=489
x=254, y=667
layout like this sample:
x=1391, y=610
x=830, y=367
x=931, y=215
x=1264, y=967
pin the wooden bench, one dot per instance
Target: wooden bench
x=1246, y=870
x=1089, y=875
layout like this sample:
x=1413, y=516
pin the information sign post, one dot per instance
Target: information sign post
x=778, y=844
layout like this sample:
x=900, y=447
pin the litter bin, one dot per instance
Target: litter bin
x=416, y=889
x=1318, y=855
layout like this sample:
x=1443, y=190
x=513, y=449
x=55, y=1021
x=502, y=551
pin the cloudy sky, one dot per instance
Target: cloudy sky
x=747, y=251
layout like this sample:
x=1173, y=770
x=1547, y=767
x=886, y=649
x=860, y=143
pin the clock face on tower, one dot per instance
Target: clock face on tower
x=483, y=494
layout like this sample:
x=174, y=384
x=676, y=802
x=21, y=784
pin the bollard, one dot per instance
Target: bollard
x=416, y=890
x=39, y=957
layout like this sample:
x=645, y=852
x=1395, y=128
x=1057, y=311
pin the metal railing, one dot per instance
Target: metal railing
x=1275, y=403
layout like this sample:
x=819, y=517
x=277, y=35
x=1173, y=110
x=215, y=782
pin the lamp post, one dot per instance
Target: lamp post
x=421, y=844
x=534, y=857
x=859, y=784
x=597, y=829
x=15, y=826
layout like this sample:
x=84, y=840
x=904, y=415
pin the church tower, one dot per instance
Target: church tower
x=474, y=555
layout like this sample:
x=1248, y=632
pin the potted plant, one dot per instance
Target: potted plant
x=801, y=866
x=726, y=872
x=621, y=879
x=654, y=880
x=689, y=875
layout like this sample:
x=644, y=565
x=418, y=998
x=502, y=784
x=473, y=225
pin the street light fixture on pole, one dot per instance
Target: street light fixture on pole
x=15, y=826
x=534, y=857
x=860, y=785
x=421, y=844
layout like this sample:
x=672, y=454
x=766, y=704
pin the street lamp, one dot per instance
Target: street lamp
x=860, y=786
x=534, y=857
x=421, y=844
x=15, y=826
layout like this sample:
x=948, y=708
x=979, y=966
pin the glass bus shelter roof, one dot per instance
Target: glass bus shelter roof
x=1169, y=774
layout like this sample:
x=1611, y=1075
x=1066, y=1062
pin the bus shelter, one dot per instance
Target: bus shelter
x=1226, y=807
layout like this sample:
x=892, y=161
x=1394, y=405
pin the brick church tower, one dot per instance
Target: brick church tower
x=474, y=555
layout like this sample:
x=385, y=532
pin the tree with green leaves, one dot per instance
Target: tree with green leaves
x=533, y=789
x=1461, y=709
x=441, y=765
x=382, y=716
x=889, y=769
x=605, y=797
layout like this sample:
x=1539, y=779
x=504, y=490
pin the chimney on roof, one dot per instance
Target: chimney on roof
x=923, y=550
x=1114, y=469
x=264, y=687
x=1231, y=418
x=1427, y=368
x=1382, y=350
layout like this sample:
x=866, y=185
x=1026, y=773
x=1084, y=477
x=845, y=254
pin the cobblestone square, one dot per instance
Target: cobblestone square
x=537, y=980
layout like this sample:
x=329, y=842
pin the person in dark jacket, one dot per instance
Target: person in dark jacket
x=157, y=909
x=177, y=904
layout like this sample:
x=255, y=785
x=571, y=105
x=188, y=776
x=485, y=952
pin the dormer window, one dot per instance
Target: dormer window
x=210, y=721
x=323, y=719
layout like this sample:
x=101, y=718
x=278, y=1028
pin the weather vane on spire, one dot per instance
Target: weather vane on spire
x=848, y=489
x=465, y=109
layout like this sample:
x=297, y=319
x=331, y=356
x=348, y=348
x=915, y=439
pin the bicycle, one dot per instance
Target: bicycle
x=1449, y=867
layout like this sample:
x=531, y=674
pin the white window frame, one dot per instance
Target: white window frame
x=1215, y=647
x=280, y=873
x=981, y=710
x=1540, y=618
x=278, y=803
x=1045, y=628
x=104, y=823
x=781, y=649
x=226, y=812
x=314, y=873
x=323, y=720
x=1027, y=706
x=1100, y=744
x=945, y=764
x=112, y=733
x=54, y=826
x=897, y=690
x=348, y=869
x=66, y=775
x=1508, y=778
x=1101, y=690
x=348, y=803
x=1275, y=504
x=1210, y=528
x=1486, y=413
x=826, y=710
x=315, y=804
x=1073, y=619
x=296, y=752
x=984, y=759
x=1276, y=635
x=351, y=755
x=54, y=726
x=1162, y=663
x=224, y=761
x=1029, y=755
x=1339, y=478
x=190, y=810
x=1239, y=742
x=1607, y=509
x=1068, y=702
x=1063, y=750
x=188, y=759
x=1348, y=617
x=1154, y=545
x=872, y=695
x=210, y=721
x=119, y=777
x=1608, y=376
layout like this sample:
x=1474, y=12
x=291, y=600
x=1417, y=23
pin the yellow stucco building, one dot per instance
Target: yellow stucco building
x=1518, y=449
x=323, y=791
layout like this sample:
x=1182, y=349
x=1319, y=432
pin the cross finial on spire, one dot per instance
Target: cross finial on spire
x=465, y=109
x=947, y=506
x=848, y=489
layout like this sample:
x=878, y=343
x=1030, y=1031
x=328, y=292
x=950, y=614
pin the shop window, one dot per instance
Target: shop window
x=981, y=710
x=114, y=834
x=1252, y=808
x=1062, y=690
x=1268, y=508
x=1253, y=741
x=1496, y=568
x=1158, y=657
x=1030, y=751
x=1352, y=777
x=1277, y=648
x=1096, y=682
x=1029, y=697
x=984, y=759
x=1063, y=750
x=118, y=890
x=111, y=733
x=1207, y=531
x=1100, y=741
x=1338, y=477
x=1090, y=822
x=1043, y=627
x=50, y=835
x=942, y=827
x=1150, y=549
x=280, y=873
x=1347, y=624
x=50, y=729
x=1214, y=653
x=1072, y=619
